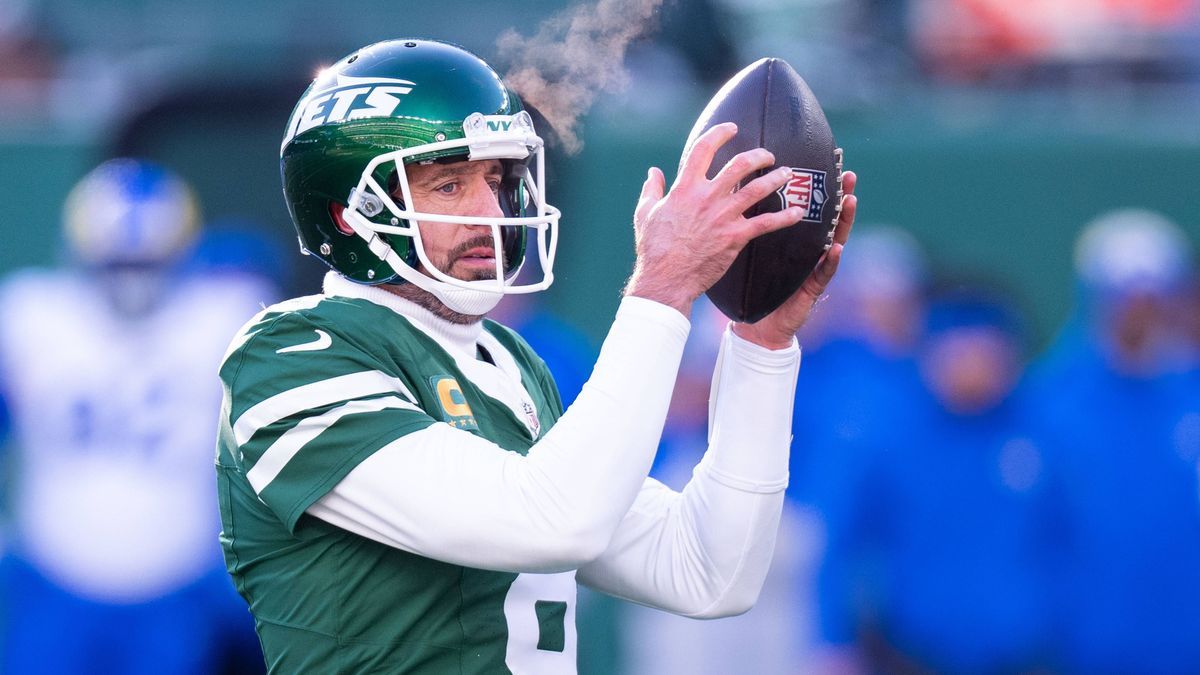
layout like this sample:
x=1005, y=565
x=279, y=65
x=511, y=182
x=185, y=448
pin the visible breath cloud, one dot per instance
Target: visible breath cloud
x=575, y=56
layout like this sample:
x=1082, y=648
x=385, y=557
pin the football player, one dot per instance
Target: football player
x=400, y=487
x=1122, y=414
x=113, y=564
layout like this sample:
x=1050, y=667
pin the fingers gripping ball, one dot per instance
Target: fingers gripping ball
x=774, y=109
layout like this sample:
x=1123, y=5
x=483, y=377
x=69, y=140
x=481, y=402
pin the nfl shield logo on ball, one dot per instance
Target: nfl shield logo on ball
x=806, y=189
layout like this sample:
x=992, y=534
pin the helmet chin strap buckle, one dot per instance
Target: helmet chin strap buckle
x=365, y=203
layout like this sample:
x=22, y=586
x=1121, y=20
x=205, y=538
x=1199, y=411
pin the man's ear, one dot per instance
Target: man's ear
x=338, y=213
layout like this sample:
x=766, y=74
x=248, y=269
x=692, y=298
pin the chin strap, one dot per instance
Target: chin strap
x=469, y=301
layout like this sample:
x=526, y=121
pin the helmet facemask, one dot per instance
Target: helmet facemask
x=373, y=210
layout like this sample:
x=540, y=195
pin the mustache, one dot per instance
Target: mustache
x=482, y=241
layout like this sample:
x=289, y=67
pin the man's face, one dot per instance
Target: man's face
x=1145, y=332
x=464, y=188
x=971, y=369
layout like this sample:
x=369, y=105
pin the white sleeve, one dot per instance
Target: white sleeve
x=447, y=494
x=704, y=552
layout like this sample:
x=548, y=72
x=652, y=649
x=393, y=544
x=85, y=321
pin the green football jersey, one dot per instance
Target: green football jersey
x=313, y=386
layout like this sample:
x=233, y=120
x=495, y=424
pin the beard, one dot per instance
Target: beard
x=429, y=301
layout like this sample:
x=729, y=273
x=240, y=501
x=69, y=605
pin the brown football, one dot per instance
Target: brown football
x=774, y=109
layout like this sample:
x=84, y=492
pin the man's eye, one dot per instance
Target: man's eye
x=447, y=188
x=495, y=185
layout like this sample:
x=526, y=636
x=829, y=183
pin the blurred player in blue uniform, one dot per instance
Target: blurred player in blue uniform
x=113, y=564
x=862, y=352
x=1126, y=424
x=937, y=560
x=860, y=348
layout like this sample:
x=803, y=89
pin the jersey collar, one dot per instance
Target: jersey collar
x=463, y=338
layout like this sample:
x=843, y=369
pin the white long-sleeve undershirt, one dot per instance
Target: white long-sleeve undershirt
x=704, y=552
x=450, y=495
x=581, y=499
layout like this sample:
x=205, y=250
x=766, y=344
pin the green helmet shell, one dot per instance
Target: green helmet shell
x=385, y=97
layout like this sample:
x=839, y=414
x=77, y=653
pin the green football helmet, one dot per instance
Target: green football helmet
x=391, y=104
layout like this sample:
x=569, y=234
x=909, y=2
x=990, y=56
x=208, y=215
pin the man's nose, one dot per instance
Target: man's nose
x=485, y=202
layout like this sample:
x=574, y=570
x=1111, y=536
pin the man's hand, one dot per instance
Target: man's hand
x=775, y=330
x=686, y=240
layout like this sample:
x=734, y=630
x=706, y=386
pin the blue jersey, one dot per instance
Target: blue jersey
x=943, y=542
x=1126, y=448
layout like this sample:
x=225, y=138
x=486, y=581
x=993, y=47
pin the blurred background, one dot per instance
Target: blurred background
x=997, y=424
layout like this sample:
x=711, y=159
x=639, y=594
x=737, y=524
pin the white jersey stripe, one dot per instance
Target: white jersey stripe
x=286, y=446
x=315, y=395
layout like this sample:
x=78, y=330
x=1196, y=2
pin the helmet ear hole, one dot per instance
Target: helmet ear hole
x=336, y=212
x=393, y=188
x=393, y=183
x=513, y=241
x=514, y=193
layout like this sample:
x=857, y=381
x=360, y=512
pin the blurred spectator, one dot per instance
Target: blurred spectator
x=938, y=562
x=880, y=295
x=858, y=350
x=1126, y=429
x=858, y=378
x=108, y=371
x=1133, y=267
x=858, y=383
